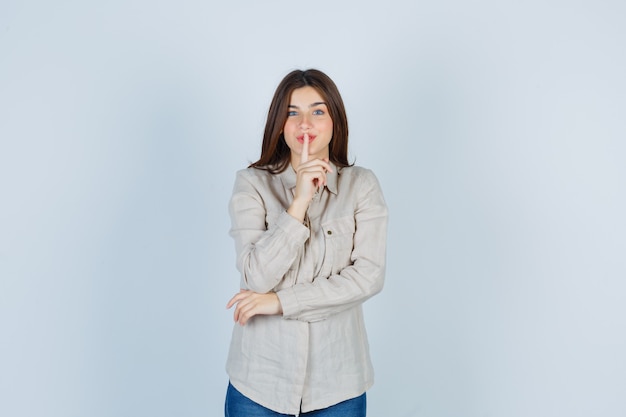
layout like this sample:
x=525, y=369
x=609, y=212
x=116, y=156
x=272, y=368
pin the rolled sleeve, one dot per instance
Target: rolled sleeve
x=362, y=277
x=264, y=252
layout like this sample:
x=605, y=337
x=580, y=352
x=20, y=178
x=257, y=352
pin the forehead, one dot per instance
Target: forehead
x=305, y=96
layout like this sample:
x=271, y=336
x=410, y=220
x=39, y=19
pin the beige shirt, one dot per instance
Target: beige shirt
x=316, y=354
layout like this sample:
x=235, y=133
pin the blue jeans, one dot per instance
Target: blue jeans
x=238, y=405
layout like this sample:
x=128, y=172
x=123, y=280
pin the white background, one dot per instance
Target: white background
x=497, y=130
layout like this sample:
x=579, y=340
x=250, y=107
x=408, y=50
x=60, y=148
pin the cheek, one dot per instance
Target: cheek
x=289, y=126
x=289, y=132
x=329, y=127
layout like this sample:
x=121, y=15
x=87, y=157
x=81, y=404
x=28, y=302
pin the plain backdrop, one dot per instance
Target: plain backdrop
x=496, y=128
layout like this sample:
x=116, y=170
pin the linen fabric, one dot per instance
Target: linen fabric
x=316, y=354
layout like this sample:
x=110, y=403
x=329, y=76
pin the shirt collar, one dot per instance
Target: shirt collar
x=288, y=178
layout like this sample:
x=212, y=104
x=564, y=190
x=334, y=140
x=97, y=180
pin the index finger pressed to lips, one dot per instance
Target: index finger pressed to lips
x=304, y=157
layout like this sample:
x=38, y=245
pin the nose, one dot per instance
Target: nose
x=305, y=123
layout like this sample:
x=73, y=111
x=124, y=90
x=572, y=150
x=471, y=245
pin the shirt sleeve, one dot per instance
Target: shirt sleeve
x=357, y=282
x=264, y=254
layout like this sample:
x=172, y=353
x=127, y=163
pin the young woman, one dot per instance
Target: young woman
x=310, y=234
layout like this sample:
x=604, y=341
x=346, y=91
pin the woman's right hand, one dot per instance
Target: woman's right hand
x=310, y=176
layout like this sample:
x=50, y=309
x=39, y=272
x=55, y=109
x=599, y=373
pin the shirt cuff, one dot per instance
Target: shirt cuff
x=288, y=302
x=292, y=226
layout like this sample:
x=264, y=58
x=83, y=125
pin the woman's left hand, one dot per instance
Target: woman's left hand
x=250, y=303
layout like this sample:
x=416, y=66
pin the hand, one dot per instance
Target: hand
x=310, y=176
x=250, y=303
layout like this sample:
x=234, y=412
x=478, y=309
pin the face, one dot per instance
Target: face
x=308, y=113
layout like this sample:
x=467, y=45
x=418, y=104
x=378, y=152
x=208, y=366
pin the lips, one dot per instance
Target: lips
x=301, y=138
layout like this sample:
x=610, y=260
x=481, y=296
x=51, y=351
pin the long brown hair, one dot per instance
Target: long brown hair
x=275, y=154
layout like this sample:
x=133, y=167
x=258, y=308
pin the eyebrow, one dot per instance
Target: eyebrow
x=317, y=103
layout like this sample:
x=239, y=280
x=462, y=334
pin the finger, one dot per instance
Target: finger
x=318, y=162
x=231, y=302
x=304, y=157
x=234, y=300
x=315, y=173
x=238, y=311
x=237, y=314
x=243, y=315
x=245, y=310
x=237, y=297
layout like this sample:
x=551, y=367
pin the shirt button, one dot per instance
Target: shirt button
x=330, y=232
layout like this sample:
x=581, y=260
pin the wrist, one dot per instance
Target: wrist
x=298, y=209
x=279, y=306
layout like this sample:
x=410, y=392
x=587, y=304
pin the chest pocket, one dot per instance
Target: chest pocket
x=339, y=239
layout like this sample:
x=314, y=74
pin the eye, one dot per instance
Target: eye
x=318, y=112
x=292, y=113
